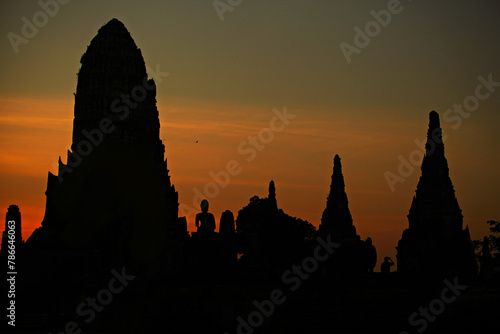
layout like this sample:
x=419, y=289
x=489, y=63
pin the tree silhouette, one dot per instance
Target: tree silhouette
x=269, y=236
x=491, y=243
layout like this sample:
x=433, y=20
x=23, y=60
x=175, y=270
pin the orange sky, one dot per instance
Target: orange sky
x=227, y=76
x=36, y=131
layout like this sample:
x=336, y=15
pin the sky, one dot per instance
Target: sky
x=356, y=78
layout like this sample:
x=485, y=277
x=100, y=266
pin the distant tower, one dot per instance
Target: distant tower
x=12, y=222
x=273, y=204
x=337, y=219
x=435, y=240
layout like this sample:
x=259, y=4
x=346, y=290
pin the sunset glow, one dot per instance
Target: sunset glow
x=224, y=84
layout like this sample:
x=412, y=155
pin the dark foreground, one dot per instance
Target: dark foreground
x=370, y=304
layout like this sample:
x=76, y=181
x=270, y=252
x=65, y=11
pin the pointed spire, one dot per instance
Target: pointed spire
x=435, y=186
x=272, y=190
x=434, y=119
x=434, y=145
x=336, y=163
x=337, y=184
x=435, y=218
x=337, y=218
x=272, y=196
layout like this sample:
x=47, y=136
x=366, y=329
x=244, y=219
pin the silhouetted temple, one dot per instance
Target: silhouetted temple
x=112, y=200
x=112, y=255
x=336, y=219
x=435, y=240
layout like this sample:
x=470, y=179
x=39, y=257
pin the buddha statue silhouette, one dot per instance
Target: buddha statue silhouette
x=205, y=221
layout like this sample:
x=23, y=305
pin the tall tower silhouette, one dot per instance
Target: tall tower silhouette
x=113, y=196
x=435, y=240
x=336, y=219
x=434, y=210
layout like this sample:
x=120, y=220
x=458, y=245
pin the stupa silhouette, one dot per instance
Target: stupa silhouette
x=113, y=198
x=336, y=219
x=435, y=241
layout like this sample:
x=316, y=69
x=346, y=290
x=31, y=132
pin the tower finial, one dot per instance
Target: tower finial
x=272, y=190
x=337, y=165
x=434, y=145
x=434, y=120
x=272, y=196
